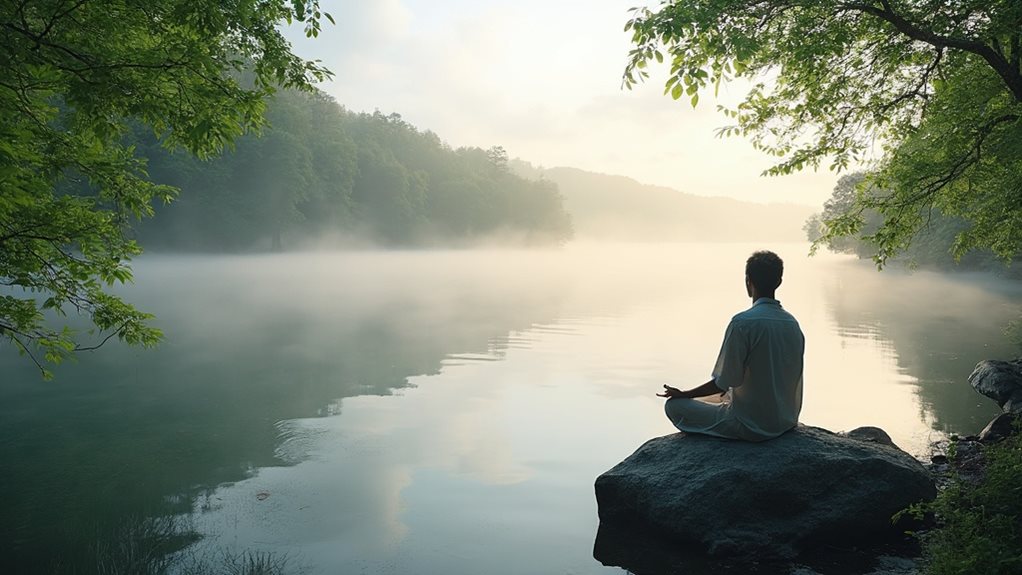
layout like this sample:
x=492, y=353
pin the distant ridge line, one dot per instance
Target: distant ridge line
x=616, y=207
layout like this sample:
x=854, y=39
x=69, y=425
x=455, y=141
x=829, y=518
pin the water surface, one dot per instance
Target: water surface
x=408, y=412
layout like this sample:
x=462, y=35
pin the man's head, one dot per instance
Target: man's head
x=763, y=271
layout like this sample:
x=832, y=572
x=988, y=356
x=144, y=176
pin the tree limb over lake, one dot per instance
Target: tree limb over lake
x=937, y=86
x=72, y=75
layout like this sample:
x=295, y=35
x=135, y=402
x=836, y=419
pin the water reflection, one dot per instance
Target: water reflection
x=933, y=328
x=475, y=469
x=420, y=412
x=648, y=554
x=251, y=342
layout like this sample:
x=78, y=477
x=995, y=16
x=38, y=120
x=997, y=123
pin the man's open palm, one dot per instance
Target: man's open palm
x=670, y=392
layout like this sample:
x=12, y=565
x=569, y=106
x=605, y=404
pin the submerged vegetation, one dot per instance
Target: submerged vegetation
x=163, y=545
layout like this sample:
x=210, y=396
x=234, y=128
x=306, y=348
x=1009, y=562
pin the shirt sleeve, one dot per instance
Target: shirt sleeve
x=729, y=370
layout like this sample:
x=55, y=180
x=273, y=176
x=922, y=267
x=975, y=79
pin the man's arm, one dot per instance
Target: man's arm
x=704, y=390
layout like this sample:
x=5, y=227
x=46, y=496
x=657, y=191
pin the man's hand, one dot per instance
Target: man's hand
x=704, y=390
x=670, y=392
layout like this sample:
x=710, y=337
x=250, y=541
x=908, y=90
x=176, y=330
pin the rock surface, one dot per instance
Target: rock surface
x=999, y=427
x=868, y=433
x=1001, y=381
x=764, y=500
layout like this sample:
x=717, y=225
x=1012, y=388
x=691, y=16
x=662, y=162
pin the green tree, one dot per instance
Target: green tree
x=291, y=182
x=271, y=196
x=320, y=174
x=936, y=84
x=841, y=202
x=327, y=207
x=389, y=198
x=813, y=227
x=73, y=75
x=932, y=247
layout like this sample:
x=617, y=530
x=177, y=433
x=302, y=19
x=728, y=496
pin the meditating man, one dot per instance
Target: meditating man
x=759, y=368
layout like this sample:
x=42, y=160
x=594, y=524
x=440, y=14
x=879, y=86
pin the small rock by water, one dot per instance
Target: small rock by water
x=869, y=433
x=999, y=427
x=775, y=499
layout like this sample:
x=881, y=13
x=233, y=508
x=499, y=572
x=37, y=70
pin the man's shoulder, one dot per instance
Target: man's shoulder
x=762, y=313
x=742, y=320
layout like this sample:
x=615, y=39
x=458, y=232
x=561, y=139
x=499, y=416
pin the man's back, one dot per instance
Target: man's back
x=761, y=361
x=759, y=366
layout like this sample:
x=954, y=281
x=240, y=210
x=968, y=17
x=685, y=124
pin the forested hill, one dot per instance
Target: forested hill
x=322, y=175
x=620, y=208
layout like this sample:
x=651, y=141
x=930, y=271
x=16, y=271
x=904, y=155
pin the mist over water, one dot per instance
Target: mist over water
x=448, y=411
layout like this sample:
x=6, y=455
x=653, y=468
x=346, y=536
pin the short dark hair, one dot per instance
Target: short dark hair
x=764, y=270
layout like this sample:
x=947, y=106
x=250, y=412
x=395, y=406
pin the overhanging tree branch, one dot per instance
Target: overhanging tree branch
x=72, y=73
x=939, y=84
x=1009, y=73
x=931, y=186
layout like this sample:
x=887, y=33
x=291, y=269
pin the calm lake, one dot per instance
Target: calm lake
x=443, y=412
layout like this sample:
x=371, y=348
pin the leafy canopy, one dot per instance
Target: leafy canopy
x=936, y=85
x=73, y=75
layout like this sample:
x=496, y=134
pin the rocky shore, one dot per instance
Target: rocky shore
x=811, y=502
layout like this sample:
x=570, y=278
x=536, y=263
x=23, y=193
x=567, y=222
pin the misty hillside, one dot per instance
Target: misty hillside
x=321, y=175
x=620, y=208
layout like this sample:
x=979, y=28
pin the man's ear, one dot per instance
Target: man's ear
x=780, y=281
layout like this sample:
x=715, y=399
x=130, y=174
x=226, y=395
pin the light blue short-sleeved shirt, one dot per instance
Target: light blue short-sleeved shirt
x=760, y=366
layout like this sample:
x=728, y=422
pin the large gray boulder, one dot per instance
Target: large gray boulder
x=762, y=500
x=1001, y=381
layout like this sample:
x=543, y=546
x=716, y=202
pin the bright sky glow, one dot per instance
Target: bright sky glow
x=543, y=80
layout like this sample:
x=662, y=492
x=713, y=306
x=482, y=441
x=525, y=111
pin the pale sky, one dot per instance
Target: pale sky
x=543, y=80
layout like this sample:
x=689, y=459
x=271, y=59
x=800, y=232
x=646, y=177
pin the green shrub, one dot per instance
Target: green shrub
x=978, y=525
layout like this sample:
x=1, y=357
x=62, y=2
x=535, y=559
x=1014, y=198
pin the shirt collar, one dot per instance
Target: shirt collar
x=768, y=300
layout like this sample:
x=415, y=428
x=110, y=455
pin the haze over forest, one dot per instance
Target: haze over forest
x=415, y=273
x=322, y=176
x=612, y=207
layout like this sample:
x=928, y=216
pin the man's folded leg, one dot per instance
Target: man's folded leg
x=694, y=416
